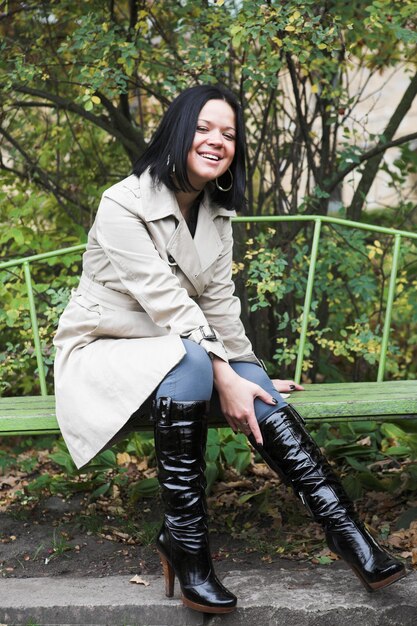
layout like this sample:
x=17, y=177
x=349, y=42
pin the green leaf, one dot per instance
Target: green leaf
x=255, y=494
x=324, y=560
x=361, y=467
x=242, y=461
x=100, y=491
x=406, y=518
x=64, y=459
x=211, y=473
x=145, y=488
x=352, y=486
x=397, y=451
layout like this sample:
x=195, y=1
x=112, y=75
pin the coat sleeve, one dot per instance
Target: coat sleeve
x=127, y=244
x=222, y=308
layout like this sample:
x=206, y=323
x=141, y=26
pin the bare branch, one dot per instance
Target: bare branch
x=371, y=169
x=302, y=120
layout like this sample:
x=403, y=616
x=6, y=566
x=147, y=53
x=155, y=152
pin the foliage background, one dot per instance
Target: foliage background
x=82, y=86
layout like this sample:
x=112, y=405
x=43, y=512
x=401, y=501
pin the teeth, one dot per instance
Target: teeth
x=211, y=157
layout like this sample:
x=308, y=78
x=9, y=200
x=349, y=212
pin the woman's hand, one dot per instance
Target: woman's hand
x=286, y=385
x=237, y=397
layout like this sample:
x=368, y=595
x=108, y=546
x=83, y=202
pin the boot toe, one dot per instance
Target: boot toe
x=386, y=573
x=210, y=596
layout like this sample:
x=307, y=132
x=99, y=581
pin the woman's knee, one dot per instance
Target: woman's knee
x=257, y=375
x=191, y=379
x=252, y=372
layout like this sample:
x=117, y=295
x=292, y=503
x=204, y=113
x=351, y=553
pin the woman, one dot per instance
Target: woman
x=154, y=327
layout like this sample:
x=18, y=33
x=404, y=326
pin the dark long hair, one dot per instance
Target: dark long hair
x=173, y=139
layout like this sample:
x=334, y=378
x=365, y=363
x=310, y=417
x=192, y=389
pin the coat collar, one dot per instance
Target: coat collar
x=193, y=256
x=158, y=202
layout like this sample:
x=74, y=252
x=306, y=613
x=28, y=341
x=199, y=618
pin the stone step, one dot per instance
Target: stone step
x=299, y=596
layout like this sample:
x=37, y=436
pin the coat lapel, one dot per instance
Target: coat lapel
x=193, y=256
x=207, y=239
x=181, y=246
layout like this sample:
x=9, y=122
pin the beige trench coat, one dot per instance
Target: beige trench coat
x=146, y=283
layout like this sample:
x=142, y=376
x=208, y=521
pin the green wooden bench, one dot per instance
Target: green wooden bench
x=387, y=401
x=382, y=401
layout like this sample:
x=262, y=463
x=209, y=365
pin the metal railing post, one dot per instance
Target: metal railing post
x=307, y=300
x=35, y=329
x=388, y=310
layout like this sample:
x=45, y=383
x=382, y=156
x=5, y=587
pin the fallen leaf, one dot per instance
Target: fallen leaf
x=406, y=555
x=121, y=535
x=395, y=540
x=139, y=581
x=123, y=458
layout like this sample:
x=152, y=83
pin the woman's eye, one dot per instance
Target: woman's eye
x=229, y=137
x=202, y=129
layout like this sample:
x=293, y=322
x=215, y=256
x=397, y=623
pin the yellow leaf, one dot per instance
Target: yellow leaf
x=277, y=40
x=322, y=46
x=296, y=15
x=220, y=3
x=314, y=88
x=289, y=28
x=95, y=99
x=123, y=458
x=138, y=580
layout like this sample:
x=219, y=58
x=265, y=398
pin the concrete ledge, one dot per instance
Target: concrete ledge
x=296, y=597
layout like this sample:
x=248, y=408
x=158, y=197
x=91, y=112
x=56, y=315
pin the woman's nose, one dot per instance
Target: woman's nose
x=215, y=138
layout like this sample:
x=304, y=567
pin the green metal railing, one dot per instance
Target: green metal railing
x=317, y=220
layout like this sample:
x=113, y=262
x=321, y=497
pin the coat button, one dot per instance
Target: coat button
x=171, y=259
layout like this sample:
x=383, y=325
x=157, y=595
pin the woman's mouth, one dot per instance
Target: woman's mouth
x=210, y=157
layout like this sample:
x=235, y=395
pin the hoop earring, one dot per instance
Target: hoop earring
x=173, y=166
x=231, y=182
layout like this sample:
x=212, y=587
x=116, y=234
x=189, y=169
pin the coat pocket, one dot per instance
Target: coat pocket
x=79, y=320
x=125, y=324
x=91, y=313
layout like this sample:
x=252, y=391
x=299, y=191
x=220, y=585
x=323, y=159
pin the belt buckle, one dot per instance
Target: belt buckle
x=211, y=335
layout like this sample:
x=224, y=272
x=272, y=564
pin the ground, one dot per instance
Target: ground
x=255, y=521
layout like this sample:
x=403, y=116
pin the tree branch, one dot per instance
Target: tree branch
x=371, y=169
x=45, y=180
x=134, y=146
x=303, y=123
x=366, y=156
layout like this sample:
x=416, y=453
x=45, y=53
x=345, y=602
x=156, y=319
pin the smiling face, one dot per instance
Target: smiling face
x=213, y=147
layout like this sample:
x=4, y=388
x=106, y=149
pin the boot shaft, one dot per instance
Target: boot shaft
x=180, y=443
x=291, y=452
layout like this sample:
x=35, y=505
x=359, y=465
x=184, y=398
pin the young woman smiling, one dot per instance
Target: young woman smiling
x=154, y=327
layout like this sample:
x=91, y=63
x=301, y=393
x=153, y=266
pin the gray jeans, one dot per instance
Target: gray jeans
x=191, y=380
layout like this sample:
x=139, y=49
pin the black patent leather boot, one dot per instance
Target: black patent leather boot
x=183, y=544
x=290, y=451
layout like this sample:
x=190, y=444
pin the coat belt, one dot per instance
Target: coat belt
x=99, y=294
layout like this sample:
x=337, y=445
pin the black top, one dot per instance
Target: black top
x=193, y=216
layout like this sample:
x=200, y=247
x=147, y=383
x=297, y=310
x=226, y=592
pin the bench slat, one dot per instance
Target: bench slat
x=319, y=402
